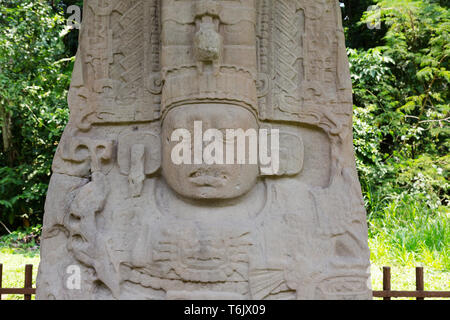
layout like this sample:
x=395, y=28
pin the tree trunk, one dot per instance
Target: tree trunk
x=6, y=127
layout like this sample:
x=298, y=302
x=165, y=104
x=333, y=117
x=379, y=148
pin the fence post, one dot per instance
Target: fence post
x=1, y=278
x=387, y=281
x=28, y=280
x=419, y=281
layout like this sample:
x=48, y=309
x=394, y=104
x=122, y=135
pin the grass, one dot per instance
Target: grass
x=406, y=233
x=16, y=250
x=14, y=269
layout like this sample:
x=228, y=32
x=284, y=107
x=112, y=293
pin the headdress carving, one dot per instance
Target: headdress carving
x=212, y=58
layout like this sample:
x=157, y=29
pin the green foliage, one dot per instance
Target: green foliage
x=24, y=241
x=358, y=35
x=34, y=77
x=401, y=117
x=408, y=232
x=402, y=104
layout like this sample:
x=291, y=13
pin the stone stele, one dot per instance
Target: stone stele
x=122, y=221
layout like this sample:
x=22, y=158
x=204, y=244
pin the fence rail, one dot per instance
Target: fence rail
x=27, y=290
x=386, y=293
x=419, y=294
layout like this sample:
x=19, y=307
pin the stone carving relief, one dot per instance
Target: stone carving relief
x=140, y=226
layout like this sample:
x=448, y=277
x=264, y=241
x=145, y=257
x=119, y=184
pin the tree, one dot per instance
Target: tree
x=35, y=73
x=401, y=94
x=358, y=35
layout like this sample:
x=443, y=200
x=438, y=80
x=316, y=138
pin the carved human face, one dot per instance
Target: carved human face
x=208, y=181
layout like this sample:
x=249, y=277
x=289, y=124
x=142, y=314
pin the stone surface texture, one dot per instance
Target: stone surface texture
x=138, y=226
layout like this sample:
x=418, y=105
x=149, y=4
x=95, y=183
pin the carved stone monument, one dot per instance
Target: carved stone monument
x=123, y=221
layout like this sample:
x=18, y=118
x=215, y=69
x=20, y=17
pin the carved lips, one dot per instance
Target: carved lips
x=205, y=177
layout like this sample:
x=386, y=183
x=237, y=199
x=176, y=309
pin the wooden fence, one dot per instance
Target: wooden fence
x=386, y=293
x=27, y=290
x=419, y=294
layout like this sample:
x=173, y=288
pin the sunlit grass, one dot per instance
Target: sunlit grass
x=14, y=269
x=408, y=233
x=405, y=234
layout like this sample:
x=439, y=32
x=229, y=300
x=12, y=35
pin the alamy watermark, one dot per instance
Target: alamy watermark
x=74, y=20
x=229, y=146
x=73, y=280
x=375, y=17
